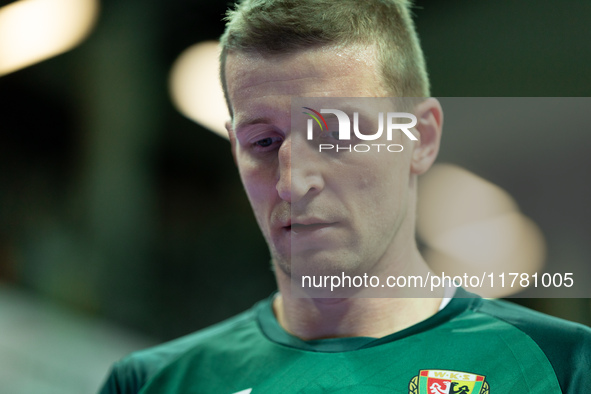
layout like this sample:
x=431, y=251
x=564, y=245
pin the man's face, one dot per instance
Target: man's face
x=329, y=213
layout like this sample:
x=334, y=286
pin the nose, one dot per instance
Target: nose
x=299, y=172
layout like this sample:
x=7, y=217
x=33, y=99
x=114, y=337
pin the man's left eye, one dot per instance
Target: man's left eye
x=334, y=134
x=330, y=135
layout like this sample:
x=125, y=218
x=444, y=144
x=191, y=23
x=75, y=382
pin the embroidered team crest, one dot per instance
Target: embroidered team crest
x=433, y=381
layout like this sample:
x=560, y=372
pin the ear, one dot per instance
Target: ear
x=429, y=125
x=232, y=138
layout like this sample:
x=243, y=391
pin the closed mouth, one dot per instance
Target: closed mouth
x=297, y=227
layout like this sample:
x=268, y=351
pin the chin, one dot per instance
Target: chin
x=325, y=263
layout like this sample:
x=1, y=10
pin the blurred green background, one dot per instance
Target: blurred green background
x=117, y=209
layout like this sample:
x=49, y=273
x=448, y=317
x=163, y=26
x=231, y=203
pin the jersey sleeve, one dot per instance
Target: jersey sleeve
x=569, y=352
x=123, y=379
x=567, y=345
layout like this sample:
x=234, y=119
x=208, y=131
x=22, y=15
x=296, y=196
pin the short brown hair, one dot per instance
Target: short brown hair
x=284, y=26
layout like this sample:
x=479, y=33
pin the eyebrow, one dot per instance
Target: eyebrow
x=252, y=121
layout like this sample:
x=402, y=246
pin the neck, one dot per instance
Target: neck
x=351, y=317
x=318, y=318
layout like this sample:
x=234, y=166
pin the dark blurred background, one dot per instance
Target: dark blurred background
x=116, y=207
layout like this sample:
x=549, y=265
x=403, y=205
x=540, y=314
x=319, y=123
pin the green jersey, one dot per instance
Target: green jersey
x=472, y=346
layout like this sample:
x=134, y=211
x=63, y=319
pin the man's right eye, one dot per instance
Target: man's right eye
x=265, y=142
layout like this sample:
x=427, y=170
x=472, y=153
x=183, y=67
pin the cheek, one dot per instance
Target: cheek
x=385, y=172
x=252, y=184
x=381, y=185
x=259, y=184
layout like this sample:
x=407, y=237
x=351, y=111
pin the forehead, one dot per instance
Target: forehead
x=333, y=71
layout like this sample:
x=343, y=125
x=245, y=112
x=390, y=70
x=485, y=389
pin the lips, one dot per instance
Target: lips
x=307, y=226
x=303, y=227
